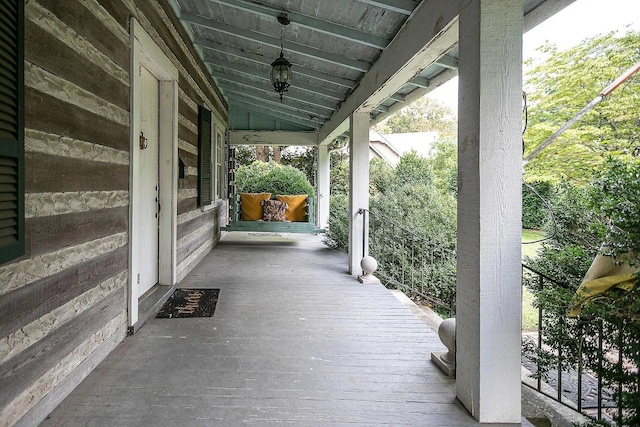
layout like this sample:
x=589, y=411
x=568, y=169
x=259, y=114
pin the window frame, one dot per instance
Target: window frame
x=218, y=165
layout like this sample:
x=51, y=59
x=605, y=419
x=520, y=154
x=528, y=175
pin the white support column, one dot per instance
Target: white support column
x=324, y=185
x=358, y=188
x=488, y=300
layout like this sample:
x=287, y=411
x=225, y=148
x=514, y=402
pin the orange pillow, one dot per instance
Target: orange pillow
x=297, y=207
x=251, y=205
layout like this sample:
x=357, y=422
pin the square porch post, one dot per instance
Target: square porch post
x=488, y=324
x=358, y=188
x=324, y=185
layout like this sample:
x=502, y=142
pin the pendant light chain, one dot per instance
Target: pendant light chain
x=281, y=68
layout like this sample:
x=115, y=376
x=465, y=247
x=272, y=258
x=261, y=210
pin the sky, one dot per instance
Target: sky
x=567, y=28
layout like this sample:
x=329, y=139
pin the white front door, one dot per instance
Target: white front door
x=148, y=191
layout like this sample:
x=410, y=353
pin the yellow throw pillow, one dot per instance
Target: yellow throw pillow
x=297, y=207
x=251, y=205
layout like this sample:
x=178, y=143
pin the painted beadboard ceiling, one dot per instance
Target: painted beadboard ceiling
x=331, y=44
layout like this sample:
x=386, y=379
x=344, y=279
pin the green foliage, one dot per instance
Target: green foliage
x=615, y=195
x=245, y=154
x=568, y=254
x=584, y=217
x=339, y=173
x=301, y=158
x=445, y=165
x=421, y=209
x=272, y=178
x=564, y=83
x=423, y=115
x=381, y=176
x=337, y=236
x=412, y=219
x=414, y=169
x=534, y=211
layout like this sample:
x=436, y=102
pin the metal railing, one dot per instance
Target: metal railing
x=412, y=263
x=566, y=354
x=572, y=345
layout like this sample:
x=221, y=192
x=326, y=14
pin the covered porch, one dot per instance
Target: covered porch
x=294, y=340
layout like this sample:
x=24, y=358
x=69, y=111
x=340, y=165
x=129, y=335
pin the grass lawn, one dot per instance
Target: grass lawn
x=529, y=312
x=531, y=250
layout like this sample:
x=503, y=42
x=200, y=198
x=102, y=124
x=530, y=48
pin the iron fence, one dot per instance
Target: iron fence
x=410, y=262
x=579, y=361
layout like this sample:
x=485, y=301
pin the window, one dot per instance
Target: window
x=11, y=129
x=220, y=178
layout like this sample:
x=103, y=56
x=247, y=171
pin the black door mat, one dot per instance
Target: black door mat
x=190, y=303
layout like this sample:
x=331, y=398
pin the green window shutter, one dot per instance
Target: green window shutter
x=11, y=129
x=204, y=157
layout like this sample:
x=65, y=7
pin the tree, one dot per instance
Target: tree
x=423, y=115
x=565, y=82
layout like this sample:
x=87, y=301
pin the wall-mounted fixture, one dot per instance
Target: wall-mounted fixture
x=281, y=68
x=143, y=141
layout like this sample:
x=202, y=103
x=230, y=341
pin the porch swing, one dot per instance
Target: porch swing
x=241, y=221
x=257, y=212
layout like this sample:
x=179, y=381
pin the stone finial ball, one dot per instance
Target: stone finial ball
x=369, y=265
x=447, y=333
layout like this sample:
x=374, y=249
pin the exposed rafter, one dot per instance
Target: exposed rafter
x=257, y=37
x=263, y=74
x=262, y=60
x=433, y=83
x=293, y=108
x=400, y=6
x=422, y=82
x=253, y=86
x=241, y=101
x=306, y=21
x=333, y=77
x=403, y=59
x=447, y=61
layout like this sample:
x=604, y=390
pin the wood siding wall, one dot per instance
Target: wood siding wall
x=63, y=305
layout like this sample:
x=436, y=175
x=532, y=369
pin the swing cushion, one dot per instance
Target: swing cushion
x=297, y=210
x=273, y=210
x=251, y=205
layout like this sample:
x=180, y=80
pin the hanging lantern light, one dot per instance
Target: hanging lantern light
x=281, y=67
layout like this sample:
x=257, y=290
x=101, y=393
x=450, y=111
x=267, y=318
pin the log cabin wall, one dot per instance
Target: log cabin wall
x=63, y=305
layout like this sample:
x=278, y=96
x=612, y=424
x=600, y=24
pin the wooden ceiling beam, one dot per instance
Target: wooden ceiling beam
x=310, y=22
x=265, y=39
x=404, y=7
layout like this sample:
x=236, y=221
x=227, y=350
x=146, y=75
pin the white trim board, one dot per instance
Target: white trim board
x=145, y=52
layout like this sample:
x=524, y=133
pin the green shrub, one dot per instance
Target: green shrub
x=604, y=212
x=534, y=211
x=271, y=177
x=337, y=236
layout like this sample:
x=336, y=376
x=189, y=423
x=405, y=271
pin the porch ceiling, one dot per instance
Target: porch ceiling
x=332, y=45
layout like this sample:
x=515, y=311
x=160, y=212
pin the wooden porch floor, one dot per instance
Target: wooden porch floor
x=294, y=340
